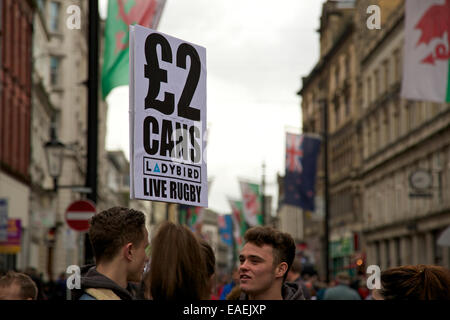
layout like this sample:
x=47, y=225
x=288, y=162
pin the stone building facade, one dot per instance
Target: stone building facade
x=400, y=137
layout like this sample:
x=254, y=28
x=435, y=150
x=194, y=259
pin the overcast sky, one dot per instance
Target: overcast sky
x=257, y=51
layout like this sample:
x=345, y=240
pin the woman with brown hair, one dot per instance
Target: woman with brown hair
x=177, y=266
x=421, y=282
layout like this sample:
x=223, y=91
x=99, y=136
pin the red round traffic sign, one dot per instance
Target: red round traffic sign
x=79, y=213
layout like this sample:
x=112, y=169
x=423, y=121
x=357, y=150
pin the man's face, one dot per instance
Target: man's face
x=139, y=260
x=10, y=293
x=256, y=272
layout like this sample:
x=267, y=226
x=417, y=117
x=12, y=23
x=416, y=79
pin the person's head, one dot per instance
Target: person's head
x=265, y=260
x=17, y=286
x=294, y=271
x=118, y=235
x=343, y=278
x=210, y=261
x=177, y=266
x=420, y=282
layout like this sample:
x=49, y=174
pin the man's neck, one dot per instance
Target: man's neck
x=115, y=272
x=273, y=293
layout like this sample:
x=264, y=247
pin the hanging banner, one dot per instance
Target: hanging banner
x=426, y=62
x=3, y=219
x=167, y=119
x=12, y=245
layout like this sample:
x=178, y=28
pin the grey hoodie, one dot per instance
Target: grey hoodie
x=91, y=278
x=289, y=291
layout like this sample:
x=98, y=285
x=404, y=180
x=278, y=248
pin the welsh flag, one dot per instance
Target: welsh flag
x=239, y=224
x=426, y=67
x=191, y=216
x=122, y=14
x=251, y=203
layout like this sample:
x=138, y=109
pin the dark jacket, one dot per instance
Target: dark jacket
x=289, y=291
x=91, y=278
x=299, y=281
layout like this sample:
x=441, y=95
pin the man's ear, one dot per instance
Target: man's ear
x=281, y=269
x=127, y=251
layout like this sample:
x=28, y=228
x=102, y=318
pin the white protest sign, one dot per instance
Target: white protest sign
x=167, y=119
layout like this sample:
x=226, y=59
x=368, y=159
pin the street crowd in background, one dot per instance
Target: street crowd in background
x=177, y=265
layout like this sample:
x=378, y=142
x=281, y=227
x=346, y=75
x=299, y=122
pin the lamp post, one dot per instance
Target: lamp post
x=54, y=152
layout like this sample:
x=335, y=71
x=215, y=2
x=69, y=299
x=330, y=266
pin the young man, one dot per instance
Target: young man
x=265, y=260
x=120, y=243
x=17, y=286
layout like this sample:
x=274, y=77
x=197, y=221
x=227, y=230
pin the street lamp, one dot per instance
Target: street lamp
x=54, y=152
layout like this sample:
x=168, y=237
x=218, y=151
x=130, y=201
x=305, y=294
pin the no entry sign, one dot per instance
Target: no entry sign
x=79, y=213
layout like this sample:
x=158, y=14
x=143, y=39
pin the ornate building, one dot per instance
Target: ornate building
x=400, y=137
x=332, y=84
x=16, y=25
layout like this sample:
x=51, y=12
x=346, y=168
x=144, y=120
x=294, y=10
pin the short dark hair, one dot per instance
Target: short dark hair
x=282, y=243
x=418, y=282
x=111, y=229
x=28, y=288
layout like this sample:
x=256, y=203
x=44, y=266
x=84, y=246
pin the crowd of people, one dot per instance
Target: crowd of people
x=178, y=266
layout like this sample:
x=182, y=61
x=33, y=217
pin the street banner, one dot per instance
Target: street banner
x=225, y=224
x=301, y=166
x=3, y=219
x=239, y=224
x=426, y=67
x=12, y=244
x=251, y=200
x=167, y=119
x=121, y=14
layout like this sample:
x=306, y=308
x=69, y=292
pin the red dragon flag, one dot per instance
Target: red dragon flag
x=251, y=200
x=122, y=14
x=426, y=73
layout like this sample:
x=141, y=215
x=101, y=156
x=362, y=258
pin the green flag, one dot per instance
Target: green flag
x=122, y=14
x=239, y=224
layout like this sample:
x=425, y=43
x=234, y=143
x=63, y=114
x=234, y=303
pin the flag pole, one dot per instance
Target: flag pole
x=326, y=191
x=263, y=187
x=92, y=129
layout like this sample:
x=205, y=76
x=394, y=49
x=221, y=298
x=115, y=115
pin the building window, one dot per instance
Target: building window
x=437, y=249
x=386, y=76
x=397, y=66
x=54, y=16
x=398, y=252
x=377, y=83
x=55, y=63
x=369, y=90
x=347, y=104
x=41, y=5
x=337, y=112
x=377, y=253
x=387, y=253
x=336, y=77
x=347, y=66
